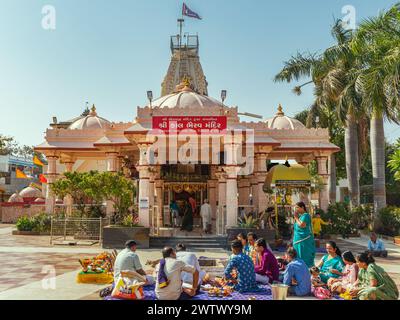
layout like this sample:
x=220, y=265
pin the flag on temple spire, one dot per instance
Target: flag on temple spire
x=20, y=174
x=189, y=13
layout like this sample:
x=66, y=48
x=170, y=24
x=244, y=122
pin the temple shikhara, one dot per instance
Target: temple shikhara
x=186, y=143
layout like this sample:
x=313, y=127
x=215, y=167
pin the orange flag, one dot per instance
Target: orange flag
x=20, y=174
x=37, y=161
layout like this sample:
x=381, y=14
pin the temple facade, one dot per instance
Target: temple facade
x=227, y=163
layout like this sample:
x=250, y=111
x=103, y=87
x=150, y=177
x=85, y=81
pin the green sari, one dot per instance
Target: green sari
x=187, y=222
x=386, y=288
x=303, y=241
x=335, y=263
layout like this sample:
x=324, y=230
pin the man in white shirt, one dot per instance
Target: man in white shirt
x=173, y=269
x=190, y=259
x=205, y=213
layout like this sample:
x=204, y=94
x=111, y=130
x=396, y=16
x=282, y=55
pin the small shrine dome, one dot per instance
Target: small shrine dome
x=39, y=200
x=91, y=121
x=30, y=193
x=280, y=121
x=15, y=197
x=186, y=98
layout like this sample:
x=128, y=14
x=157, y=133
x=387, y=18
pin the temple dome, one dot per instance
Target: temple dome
x=15, y=197
x=280, y=121
x=31, y=193
x=186, y=98
x=91, y=121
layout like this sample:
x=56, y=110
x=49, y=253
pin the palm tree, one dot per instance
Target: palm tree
x=377, y=43
x=334, y=86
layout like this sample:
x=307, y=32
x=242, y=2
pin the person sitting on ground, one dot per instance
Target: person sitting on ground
x=190, y=259
x=317, y=223
x=244, y=268
x=376, y=246
x=267, y=269
x=331, y=264
x=315, y=278
x=243, y=239
x=373, y=282
x=318, y=288
x=348, y=276
x=251, y=240
x=127, y=260
x=296, y=274
x=169, y=285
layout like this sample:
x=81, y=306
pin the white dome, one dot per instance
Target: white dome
x=30, y=192
x=15, y=197
x=91, y=121
x=186, y=98
x=280, y=121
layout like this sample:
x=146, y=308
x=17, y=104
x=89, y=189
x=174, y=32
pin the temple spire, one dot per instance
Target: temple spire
x=185, y=63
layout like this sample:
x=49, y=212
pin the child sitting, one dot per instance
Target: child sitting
x=318, y=288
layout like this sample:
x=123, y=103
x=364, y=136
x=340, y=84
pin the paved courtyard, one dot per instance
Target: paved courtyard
x=28, y=261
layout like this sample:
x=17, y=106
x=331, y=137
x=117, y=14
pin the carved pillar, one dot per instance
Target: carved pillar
x=212, y=196
x=68, y=200
x=144, y=187
x=323, y=172
x=261, y=173
x=112, y=161
x=304, y=197
x=51, y=177
x=231, y=195
x=158, y=184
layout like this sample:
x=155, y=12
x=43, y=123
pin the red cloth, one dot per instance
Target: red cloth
x=193, y=204
x=268, y=266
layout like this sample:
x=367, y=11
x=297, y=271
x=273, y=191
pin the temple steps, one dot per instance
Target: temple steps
x=191, y=242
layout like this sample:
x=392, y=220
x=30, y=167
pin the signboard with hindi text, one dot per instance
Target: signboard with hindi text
x=200, y=124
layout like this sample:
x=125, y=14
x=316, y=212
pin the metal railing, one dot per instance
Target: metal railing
x=77, y=230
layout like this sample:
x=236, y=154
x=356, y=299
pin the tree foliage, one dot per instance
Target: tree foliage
x=94, y=188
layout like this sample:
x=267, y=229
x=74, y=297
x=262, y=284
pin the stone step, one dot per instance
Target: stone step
x=190, y=242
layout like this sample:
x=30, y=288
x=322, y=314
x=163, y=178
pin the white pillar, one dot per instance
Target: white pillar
x=144, y=186
x=68, y=200
x=323, y=172
x=158, y=184
x=231, y=196
x=51, y=177
x=112, y=161
x=261, y=173
x=212, y=196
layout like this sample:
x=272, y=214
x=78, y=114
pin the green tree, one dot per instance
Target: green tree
x=377, y=44
x=335, y=93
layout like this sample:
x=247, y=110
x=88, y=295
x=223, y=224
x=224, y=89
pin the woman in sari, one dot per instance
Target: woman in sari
x=348, y=276
x=187, y=221
x=331, y=264
x=373, y=282
x=303, y=239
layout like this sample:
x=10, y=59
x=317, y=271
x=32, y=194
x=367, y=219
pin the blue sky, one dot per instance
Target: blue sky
x=111, y=52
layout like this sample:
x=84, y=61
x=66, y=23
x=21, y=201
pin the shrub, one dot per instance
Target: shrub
x=130, y=220
x=25, y=223
x=341, y=218
x=42, y=222
x=390, y=221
